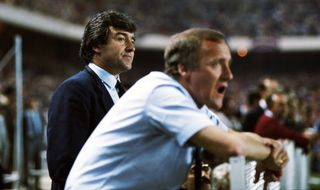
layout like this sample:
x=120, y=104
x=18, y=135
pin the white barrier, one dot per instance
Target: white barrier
x=288, y=178
x=295, y=174
x=242, y=174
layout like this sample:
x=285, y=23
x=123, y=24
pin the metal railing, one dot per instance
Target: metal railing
x=16, y=51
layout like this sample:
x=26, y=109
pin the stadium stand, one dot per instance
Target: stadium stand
x=235, y=18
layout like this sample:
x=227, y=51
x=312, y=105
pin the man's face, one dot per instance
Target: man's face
x=279, y=105
x=271, y=86
x=117, y=55
x=208, y=83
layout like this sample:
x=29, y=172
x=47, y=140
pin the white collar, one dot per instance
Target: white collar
x=109, y=79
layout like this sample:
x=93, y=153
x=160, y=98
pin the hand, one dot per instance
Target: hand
x=311, y=134
x=278, y=157
x=272, y=166
x=269, y=176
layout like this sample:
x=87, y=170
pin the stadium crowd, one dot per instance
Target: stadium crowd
x=257, y=18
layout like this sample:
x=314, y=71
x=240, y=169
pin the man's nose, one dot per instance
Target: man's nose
x=130, y=46
x=227, y=73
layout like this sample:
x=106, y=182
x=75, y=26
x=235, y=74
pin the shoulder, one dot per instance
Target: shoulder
x=80, y=79
x=161, y=82
x=81, y=83
x=154, y=84
x=265, y=120
x=256, y=111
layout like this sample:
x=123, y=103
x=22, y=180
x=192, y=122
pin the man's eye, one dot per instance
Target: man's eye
x=121, y=39
x=214, y=63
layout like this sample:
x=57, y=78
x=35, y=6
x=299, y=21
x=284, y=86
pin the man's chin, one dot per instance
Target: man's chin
x=126, y=67
x=215, y=106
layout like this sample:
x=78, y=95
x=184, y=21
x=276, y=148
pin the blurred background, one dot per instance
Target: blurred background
x=269, y=39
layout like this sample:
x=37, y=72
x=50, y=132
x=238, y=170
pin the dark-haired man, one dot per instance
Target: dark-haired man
x=80, y=102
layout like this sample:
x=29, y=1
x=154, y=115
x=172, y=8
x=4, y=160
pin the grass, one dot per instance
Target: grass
x=315, y=186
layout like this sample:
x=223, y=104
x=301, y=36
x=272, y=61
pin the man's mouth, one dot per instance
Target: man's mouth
x=127, y=56
x=222, y=89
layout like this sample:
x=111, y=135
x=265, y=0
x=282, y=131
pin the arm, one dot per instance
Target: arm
x=270, y=153
x=270, y=127
x=226, y=144
x=285, y=132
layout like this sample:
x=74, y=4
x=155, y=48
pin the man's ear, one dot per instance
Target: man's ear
x=183, y=71
x=97, y=49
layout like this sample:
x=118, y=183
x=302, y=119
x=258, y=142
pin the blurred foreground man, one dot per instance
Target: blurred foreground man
x=80, y=102
x=147, y=138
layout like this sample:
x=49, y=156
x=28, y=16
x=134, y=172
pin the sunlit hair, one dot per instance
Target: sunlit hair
x=97, y=30
x=184, y=48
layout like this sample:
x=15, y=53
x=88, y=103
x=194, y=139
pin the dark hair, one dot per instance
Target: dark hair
x=253, y=97
x=97, y=30
x=183, y=48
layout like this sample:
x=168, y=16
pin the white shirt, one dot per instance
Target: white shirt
x=142, y=142
x=107, y=79
x=214, y=118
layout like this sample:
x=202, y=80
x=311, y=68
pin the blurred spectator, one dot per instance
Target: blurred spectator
x=5, y=145
x=253, y=99
x=4, y=149
x=265, y=87
x=8, y=112
x=229, y=114
x=295, y=117
x=269, y=124
x=33, y=140
x=254, y=112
